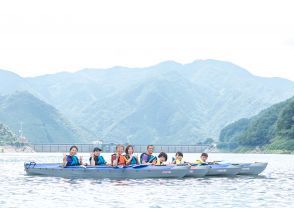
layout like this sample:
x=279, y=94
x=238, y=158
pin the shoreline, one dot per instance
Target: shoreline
x=28, y=149
x=256, y=151
x=12, y=149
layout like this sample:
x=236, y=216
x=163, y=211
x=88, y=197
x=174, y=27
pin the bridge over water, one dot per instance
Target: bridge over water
x=109, y=148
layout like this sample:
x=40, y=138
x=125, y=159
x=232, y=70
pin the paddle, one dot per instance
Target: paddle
x=140, y=166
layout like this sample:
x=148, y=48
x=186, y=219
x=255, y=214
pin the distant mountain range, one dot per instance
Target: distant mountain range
x=166, y=103
x=273, y=128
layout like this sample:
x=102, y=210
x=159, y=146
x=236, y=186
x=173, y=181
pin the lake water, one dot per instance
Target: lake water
x=273, y=188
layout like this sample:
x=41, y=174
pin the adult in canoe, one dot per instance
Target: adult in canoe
x=96, y=159
x=148, y=158
x=117, y=159
x=131, y=158
x=72, y=159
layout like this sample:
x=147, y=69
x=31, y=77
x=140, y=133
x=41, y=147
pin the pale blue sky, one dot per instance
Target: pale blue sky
x=40, y=37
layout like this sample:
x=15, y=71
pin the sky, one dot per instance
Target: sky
x=43, y=37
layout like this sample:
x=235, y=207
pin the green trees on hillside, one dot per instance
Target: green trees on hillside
x=285, y=123
x=272, y=128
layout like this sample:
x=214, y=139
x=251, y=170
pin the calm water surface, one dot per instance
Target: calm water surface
x=273, y=188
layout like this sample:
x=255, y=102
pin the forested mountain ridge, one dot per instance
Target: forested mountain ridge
x=272, y=129
x=165, y=103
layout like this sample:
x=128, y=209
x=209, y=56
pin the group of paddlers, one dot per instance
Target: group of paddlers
x=125, y=156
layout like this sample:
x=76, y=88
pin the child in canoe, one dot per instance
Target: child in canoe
x=162, y=158
x=179, y=158
x=203, y=159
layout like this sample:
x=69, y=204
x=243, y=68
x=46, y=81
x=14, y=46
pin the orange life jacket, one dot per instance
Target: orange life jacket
x=121, y=159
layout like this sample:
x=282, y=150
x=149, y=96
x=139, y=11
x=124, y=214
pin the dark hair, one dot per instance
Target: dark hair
x=179, y=154
x=162, y=154
x=119, y=145
x=97, y=149
x=72, y=147
x=150, y=145
x=128, y=147
x=204, y=155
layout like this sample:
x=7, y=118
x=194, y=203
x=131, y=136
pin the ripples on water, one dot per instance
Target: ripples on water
x=274, y=188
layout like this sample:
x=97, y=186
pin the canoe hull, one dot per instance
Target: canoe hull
x=221, y=170
x=105, y=172
x=252, y=168
x=198, y=171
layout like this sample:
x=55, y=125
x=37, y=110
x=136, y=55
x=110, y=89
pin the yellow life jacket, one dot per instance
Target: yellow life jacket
x=199, y=162
x=179, y=161
x=158, y=162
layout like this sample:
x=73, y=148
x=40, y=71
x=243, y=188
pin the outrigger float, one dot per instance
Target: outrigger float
x=143, y=171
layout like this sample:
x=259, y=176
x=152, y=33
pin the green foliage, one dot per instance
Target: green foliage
x=285, y=123
x=281, y=144
x=231, y=132
x=7, y=137
x=273, y=128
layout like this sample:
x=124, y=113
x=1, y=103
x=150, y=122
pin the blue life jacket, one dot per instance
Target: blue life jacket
x=133, y=160
x=72, y=160
x=98, y=160
x=150, y=158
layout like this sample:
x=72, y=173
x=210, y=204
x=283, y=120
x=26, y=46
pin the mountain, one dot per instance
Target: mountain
x=11, y=82
x=272, y=128
x=42, y=123
x=7, y=137
x=168, y=103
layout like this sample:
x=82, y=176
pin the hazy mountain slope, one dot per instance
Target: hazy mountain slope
x=158, y=111
x=11, y=82
x=41, y=122
x=193, y=101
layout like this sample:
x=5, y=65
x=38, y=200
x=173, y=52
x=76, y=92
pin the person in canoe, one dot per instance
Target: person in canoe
x=203, y=159
x=131, y=158
x=178, y=159
x=162, y=158
x=117, y=159
x=148, y=158
x=72, y=159
x=96, y=159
